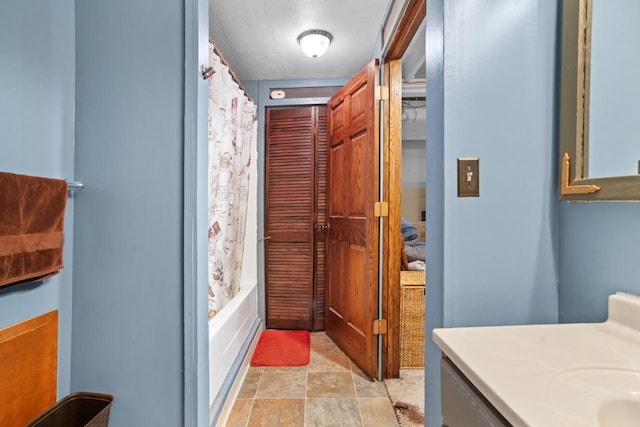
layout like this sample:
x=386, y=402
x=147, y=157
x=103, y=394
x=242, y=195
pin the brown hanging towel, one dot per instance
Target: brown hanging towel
x=31, y=227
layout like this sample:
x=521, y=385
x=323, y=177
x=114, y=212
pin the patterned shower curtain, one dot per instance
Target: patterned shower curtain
x=232, y=137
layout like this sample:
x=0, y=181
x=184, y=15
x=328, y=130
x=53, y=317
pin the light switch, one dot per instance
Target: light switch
x=468, y=177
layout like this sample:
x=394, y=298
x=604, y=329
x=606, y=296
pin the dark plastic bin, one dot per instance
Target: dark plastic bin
x=81, y=409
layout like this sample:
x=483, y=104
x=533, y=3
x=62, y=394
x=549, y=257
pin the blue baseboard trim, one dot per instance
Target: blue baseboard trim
x=223, y=394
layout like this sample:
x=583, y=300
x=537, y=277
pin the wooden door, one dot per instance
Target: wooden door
x=352, y=247
x=295, y=205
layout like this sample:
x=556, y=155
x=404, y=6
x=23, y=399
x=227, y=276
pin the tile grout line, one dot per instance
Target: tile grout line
x=306, y=389
x=355, y=391
x=253, y=401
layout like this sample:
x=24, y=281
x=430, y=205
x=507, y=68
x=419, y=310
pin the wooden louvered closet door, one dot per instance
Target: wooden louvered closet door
x=295, y=213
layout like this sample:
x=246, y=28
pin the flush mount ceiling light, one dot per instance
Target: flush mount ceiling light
x=314, y=43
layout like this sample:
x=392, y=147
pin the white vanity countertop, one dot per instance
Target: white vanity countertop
x=567, y=375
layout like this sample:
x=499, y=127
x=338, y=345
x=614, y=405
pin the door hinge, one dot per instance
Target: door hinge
x=382, y=93
x=381, y=209
x=380, y=326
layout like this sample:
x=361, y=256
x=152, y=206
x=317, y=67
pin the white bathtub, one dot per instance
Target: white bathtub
x=230, y=334
x=232, y=331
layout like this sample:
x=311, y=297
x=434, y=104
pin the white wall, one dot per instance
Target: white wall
x=414, y=181
x=414, y=156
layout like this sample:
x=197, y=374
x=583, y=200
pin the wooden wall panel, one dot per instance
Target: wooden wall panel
x=359, y=299
x=359, y=104
x=359, y=178
x=28, y=369
x=337, y=297
x=338, y=123
x=338, y=166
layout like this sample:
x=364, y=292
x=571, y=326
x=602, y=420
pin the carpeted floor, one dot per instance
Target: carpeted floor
x=407, y=397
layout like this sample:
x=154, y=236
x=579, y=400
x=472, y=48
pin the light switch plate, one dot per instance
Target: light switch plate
x=468, y=177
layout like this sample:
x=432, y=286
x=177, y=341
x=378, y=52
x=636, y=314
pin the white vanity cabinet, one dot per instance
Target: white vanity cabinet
x=462, y=404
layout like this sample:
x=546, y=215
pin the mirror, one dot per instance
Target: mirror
x=599, y=135
x=614, y=88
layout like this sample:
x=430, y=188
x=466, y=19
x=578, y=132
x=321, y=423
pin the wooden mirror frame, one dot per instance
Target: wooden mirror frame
x=575, y=184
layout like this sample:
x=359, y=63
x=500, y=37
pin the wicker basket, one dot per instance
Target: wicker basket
x=81, y=409
x=412, y=320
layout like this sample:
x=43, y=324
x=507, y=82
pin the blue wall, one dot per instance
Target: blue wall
x=599, y=249
x=36, y=134
x=599, y=255
x=496, y=259
x=196, y=206
x=434, y=301
x=500, y=105
x=128, y=269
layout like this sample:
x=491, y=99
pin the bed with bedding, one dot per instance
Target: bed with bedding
x=414, y=248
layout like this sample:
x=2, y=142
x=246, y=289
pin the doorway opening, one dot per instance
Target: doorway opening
x=406, y=45
x=320, y=188
x=406, y=389
x=404, y=54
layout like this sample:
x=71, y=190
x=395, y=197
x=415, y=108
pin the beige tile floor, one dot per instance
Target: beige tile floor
x=330, y=391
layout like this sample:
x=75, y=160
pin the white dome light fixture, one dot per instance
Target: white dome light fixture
x=314, y=43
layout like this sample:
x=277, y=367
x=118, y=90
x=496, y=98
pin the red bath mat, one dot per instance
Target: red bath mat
x=282, y=348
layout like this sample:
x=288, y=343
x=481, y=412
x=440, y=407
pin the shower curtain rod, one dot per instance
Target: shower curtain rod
x=233, y=75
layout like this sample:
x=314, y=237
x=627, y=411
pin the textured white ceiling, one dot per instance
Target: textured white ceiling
x=258, y=37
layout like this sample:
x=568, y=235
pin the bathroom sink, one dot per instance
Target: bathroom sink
x=558, y=375
x=597, y=396
x=619, y=413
